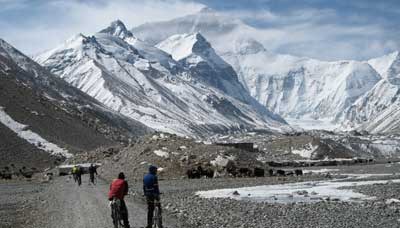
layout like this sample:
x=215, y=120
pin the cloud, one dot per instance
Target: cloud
x=330, y=31
x=322, y=33
x=34, y=26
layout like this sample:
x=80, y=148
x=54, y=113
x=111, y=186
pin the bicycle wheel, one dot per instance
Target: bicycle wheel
x=157, y=220
x=155, y=217
x=116, y=214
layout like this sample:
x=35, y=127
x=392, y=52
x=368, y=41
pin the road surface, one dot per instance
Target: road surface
x=68, y=205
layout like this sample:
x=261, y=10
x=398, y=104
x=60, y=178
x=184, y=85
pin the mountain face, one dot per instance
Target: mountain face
x=43, y=119
x=195, y=94
x=306, y=92
x=302, y=90
x=378, y=110
x=195, y=53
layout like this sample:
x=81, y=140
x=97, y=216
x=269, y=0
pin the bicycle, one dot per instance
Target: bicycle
x=116, y=213
x=157, y=215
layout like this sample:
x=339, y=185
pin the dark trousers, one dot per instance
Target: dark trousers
x=150, y=208
x=124, y=213
x=79, y=178
x=92, y=177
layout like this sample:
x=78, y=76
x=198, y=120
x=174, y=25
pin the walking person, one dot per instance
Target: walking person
x=119, y=189
x=74, y=170
x=92, y=171
x=79, y=172
x=152, y=193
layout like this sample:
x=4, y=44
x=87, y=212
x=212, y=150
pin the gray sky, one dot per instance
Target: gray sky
x=329, y=30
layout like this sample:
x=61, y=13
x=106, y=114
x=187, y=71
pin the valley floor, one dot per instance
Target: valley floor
x=61, y=203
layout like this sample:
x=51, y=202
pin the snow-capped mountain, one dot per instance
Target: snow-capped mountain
x=217, y=28
x=302, y=90
x=195, y=95
x=378, y=110
x=43, y=118
x=195, y=53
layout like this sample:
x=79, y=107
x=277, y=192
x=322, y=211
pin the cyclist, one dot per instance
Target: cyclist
x=152, y=193
x=119, y=189
x=74, y=171
x=78, y=173
x=92, y=171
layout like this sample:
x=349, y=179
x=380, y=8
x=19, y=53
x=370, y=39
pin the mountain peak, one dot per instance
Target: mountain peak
x=181, y=46
x=207, y=9
x=384, y=63
x=200, y=43
x=117, y=28
x=249, y=46
x=3, y=43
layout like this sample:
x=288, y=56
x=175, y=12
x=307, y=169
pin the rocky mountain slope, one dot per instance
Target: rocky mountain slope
x=43, y=119
x=196, y=95
x=306, y=92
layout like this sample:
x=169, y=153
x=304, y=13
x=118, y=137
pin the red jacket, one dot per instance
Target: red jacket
x=118, y=189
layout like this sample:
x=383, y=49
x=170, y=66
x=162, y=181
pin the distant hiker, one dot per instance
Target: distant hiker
x=152, y=193
x=119, y=189
x=92, y=171
x=79, y=172
x=74, y=171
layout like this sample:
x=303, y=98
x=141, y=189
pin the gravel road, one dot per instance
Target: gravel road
x=63, y=204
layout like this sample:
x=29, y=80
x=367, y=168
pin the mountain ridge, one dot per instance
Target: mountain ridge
x=279, y=81
x=44, y=119
x=150, y=86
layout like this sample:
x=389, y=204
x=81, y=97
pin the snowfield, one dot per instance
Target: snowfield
x=307, y=192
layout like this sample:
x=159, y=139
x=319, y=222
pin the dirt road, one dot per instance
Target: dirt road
x=86, y=206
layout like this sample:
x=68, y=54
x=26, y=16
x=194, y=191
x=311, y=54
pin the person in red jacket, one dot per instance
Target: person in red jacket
x=119, y=189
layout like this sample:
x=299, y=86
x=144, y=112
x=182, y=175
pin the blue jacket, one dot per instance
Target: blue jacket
x=150, y=185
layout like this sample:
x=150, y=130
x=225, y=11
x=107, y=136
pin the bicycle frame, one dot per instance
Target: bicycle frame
x=116, y=213
x=157, y=216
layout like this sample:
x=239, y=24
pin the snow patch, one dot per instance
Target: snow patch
x=296, y=192
x=31, y=136
x=306, y=152
x=161, y=153
x=320, y=171
x=179, y=46
x=222, y=161
x=391, y=201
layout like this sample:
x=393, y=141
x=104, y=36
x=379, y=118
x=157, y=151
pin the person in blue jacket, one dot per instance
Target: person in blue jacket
x=152, y=193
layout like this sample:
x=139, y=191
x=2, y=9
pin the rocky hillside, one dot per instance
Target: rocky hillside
x=44, y=120
x=174, y=156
